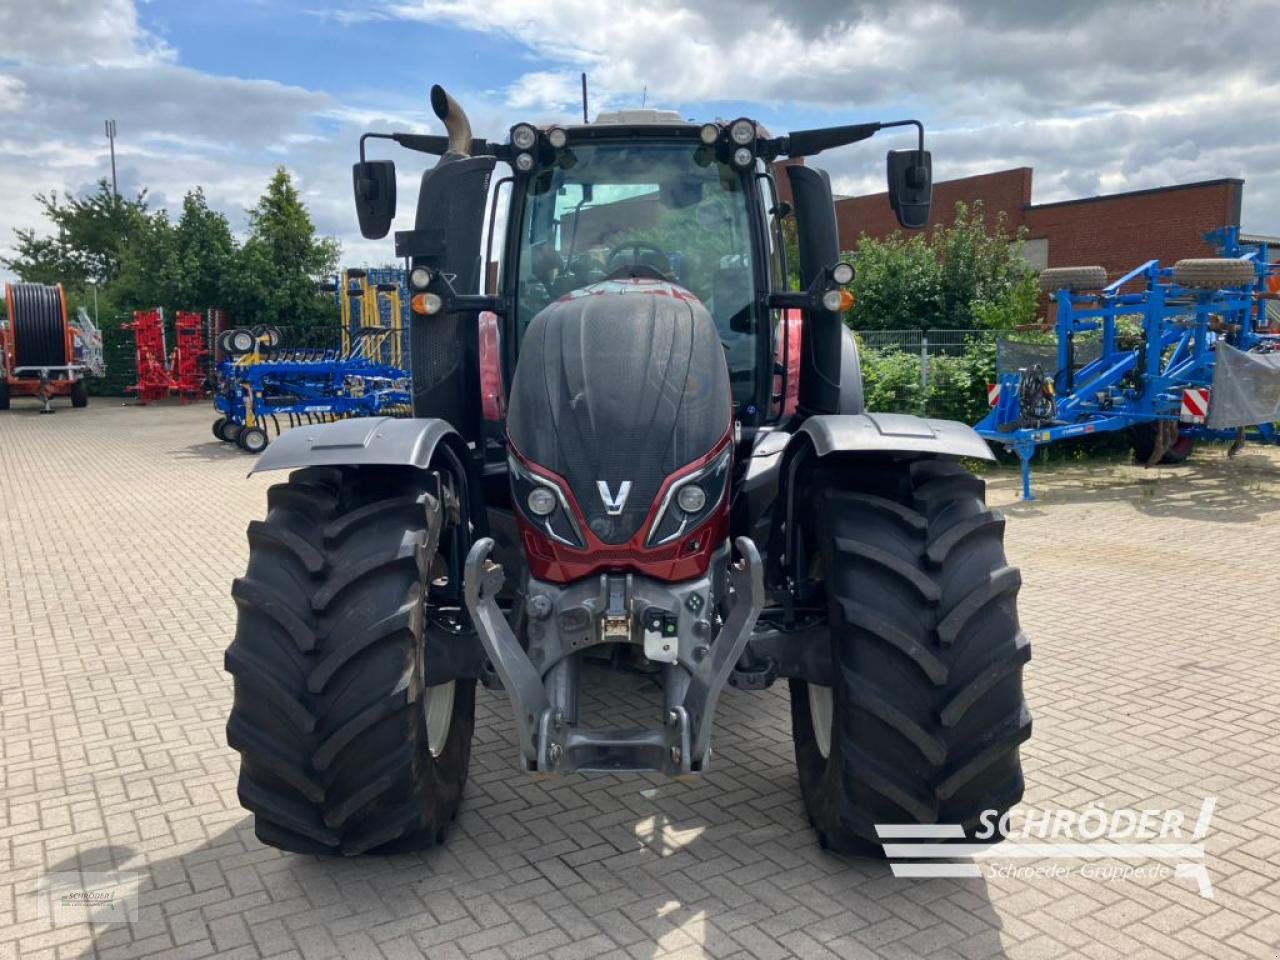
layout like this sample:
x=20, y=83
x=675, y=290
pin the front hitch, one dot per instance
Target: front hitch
x=549, y=740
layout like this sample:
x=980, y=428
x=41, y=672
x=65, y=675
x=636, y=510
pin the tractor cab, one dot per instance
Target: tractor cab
x=666, y=211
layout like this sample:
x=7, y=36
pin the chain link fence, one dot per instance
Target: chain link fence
x=925, y=344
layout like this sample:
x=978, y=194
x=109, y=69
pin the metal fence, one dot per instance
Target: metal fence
x=924, y=344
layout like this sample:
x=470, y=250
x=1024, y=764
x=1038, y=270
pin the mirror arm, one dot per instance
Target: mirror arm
x=455, y=302
x=435, y=145
x=808, y=299
x=909, y=123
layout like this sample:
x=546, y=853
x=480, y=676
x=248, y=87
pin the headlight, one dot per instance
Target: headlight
x=524, y=162
x=541, y=501
x=842, y=273
x=557, y=137
x=544, y=505
x=831, y=300
x=692, y=501
x=742, y=157
x=742, y=132
x=419, y=278
x=691, y=498
x=523, y=136
x=709, y=133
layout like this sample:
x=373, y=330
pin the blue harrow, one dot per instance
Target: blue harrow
x=261, y=384
x=1163, y=386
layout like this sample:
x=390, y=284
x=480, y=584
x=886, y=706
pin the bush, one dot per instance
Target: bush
x=890, y=381
x=957, y=386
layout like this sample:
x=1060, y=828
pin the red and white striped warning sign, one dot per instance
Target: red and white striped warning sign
x=993, y=394
x=1195, y=404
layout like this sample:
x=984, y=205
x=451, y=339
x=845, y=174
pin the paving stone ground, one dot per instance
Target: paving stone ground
x=1153, y=603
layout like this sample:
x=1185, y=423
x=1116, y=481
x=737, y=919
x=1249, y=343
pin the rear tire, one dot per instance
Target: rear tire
x=925, y=708
x=332, y=709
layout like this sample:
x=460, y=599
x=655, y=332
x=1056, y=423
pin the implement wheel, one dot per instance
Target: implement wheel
x=79, y=394
x=924, y=716
x=1175, y=449
x=4, y=393
x=1072, y=278
x=217, y=428
x=344, y=746
x=1213, y=273
x=252, y=440
x=229, y=431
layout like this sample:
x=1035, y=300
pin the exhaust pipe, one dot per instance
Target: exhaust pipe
x=455, y=121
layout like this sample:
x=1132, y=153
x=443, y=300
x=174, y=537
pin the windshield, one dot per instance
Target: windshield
x=669, y=210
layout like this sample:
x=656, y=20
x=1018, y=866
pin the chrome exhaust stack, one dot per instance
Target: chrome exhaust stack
x=455, y=121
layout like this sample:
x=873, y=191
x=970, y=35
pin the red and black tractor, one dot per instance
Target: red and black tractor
x=634, y=434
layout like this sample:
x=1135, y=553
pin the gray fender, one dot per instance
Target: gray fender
x=869, y=433
x=359, y=441
x=889, y=433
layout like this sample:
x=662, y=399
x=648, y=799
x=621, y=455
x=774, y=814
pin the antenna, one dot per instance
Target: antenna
x=644, y=97
x=111, y=139
x=584, y=98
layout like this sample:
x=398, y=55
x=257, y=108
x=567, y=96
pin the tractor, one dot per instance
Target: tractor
x=638, y=444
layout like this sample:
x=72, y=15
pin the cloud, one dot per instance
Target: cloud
x=1098, y=96
x=1101, y=95
x=69, y=32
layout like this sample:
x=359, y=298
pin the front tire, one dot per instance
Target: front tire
x=925, y=713
x=333, y=717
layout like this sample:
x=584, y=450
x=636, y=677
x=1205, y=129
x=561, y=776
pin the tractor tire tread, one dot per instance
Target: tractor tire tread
x=329, y=668
x=928, y=711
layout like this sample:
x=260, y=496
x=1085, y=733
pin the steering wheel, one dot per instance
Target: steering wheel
x=618, y=254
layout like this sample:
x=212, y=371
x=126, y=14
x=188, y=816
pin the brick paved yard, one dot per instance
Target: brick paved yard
x=1152, y=599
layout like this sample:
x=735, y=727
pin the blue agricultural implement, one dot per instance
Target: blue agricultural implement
x=260, y=383
x=1203, y=365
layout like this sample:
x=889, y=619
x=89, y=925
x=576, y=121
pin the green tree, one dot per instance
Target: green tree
x=281, y=262
x=149, y=271
x=88, y=242
x=205, y=253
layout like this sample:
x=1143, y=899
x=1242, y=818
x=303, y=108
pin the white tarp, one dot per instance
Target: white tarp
x=1246, y=388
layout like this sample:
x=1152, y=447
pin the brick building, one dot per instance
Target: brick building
x=1117, y=231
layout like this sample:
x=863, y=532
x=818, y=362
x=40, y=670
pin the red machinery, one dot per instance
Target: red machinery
x=160, y=374
x=187, y=367
x=149, y=351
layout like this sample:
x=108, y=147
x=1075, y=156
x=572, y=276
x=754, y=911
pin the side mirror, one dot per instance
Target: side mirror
x=374, y=182
x=911, y=186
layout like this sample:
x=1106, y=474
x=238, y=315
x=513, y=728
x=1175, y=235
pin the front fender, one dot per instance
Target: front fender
x=862, y=433
x=889, y=433
x=358, y=442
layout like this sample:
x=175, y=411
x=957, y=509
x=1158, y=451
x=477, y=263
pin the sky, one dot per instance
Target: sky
x=1099, y=96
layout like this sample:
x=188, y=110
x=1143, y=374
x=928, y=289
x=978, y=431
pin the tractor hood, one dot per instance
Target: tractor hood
x=618, y=385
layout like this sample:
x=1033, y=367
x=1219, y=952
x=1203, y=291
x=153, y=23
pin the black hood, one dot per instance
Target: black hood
x=622, y=381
